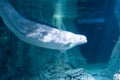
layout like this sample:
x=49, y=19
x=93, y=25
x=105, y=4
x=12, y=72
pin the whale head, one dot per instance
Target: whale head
x=79, y=40
x=71, y=40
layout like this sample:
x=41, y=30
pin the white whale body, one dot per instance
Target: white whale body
x=38, y=34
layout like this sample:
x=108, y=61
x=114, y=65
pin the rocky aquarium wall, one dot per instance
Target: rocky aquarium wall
x=26, y=54
x=114, y=63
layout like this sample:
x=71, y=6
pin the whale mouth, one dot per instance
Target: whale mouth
x=85, y=39
x=77, y=40
x=81, y=39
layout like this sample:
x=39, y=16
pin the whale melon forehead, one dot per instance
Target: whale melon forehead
x=69, y=40
x=75, y=38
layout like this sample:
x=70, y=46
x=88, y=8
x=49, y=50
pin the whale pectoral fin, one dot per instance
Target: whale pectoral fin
x=66, y=44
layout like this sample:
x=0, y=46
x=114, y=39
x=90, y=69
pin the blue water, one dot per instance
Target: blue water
x=95, y=19
x=102, y=36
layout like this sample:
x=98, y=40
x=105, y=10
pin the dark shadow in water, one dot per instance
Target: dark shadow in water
x=102, y=37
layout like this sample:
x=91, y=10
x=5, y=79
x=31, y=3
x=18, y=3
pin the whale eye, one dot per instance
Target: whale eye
x=80, y=38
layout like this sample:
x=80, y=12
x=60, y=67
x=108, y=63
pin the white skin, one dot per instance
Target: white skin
x=38, y=34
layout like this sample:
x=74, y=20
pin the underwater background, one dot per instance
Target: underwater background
x=98, y=59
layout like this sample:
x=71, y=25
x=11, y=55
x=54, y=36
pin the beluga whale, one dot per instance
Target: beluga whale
x=38, y=34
